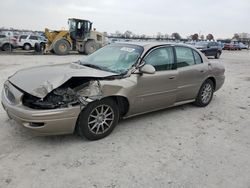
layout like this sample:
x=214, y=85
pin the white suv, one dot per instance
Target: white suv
x=28, y=42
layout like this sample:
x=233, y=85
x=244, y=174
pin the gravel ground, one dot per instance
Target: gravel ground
x=181, y=147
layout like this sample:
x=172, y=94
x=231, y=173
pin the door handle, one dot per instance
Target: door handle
x=171, y=77
x=202, y=71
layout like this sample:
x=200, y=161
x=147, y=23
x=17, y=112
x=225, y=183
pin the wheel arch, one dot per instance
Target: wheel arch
x=7, y=43
x=122, y=102
x=27, y=43
x=213, y=80
x=208, y=78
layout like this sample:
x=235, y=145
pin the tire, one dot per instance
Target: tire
x=7, y=47
x=42, y=46
x=217, y=55
x=80, y=52
x=90, y=47
x=93, y=126
x=205, y=94
x=61, y=47
x=27, y=46
x=37, y=47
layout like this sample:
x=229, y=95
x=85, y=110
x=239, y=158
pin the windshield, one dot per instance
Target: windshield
x=203, y=44
x=118, y=58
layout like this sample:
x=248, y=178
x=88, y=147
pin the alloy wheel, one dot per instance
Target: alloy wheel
x=206, y=93
x=100, y=119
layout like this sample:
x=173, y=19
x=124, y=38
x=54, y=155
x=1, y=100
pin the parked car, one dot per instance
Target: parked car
x=243, y=46
x=27, y=42
x=7, y=42
x=118, y=81
x=228, y=46
x=210, y=48
x=232, y=46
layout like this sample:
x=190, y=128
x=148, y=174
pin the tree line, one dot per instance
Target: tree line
x=176, y=36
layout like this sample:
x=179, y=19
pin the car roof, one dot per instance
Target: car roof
x=148, y=45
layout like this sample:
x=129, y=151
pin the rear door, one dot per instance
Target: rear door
x=191, y=73
x=33, y=39
x=22, y=40
x=156, y=91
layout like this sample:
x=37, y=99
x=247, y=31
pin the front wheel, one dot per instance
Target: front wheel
x=61, y=47
x=217, y=56
x=205, y=94
x=98, y=119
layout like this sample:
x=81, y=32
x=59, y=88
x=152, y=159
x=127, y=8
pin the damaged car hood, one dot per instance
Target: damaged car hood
x=39, y=81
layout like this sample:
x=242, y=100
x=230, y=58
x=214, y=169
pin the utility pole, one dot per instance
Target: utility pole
x=10, y=47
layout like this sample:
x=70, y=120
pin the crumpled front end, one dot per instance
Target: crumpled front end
x=57, y=112
x=66, y=96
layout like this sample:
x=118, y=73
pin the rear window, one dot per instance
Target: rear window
x=33, y=38
x=213, y=44
x=184, y=56
x=197, y=57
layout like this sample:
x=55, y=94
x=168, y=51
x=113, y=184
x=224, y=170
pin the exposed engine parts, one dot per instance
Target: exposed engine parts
x=65, y=96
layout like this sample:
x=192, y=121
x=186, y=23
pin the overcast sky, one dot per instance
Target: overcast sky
x=222, y=18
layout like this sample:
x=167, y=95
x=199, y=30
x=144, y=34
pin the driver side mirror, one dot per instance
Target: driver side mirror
x=147, y=69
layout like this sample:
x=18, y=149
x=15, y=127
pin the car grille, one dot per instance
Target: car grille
x=9, y=95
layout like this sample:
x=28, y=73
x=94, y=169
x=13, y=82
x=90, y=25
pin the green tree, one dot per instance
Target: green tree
x=210, y=37
x=195, y=37
x=176, y=36
x=236, y=36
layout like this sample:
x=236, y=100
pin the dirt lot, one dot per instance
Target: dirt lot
x=180, y=147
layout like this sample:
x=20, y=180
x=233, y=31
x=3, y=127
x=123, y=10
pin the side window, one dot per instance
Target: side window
x=213, y=44
x=33, y=38
x=184, y=56
x=197, y=57
x=2, y=36
x=161, y=58
x=23, y=36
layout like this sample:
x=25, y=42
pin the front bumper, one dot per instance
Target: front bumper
x=43, y=122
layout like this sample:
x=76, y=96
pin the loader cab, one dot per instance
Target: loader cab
x=79, y=29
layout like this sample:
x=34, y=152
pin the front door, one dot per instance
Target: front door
x=158, y=90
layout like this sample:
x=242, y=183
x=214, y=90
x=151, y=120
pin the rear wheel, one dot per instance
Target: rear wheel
x=90, y=47
x=61, y=47
x=26, y=46
x=98, y=119
x=205, y=94
x=6, y=47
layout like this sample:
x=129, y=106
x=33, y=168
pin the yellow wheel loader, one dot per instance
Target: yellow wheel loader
x=80, y=37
